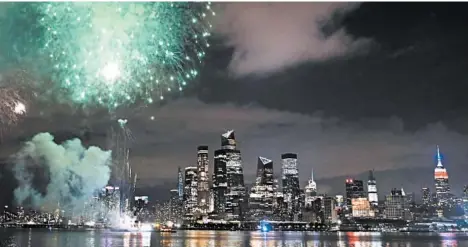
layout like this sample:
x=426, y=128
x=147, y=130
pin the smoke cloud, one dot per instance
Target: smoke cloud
x=50, y=174
x=272, y=36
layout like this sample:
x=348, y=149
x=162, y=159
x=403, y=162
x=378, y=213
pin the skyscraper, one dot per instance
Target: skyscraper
x=180, y=184
x=396, y=205
x=372, y=190
x=236, y=192
x=361, y=208
x=262, y=193
x=219, y=182
x=441, y=181
x=465, y=200
x=190, y=193
x=426, y=196
x=203, y=183
x=329, y=210
x=354, y=189
x=175, y=206
x=310, y=190
x=291, y=189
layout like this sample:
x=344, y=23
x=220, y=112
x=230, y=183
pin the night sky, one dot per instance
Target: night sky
x=349, y=87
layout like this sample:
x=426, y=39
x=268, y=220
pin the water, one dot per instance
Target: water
x=62, y=238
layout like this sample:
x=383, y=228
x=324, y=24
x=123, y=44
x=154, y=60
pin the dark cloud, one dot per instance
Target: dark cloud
x=331, y=146
x=271, y=36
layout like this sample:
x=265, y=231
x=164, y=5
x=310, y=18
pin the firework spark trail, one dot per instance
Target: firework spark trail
x=109, y=54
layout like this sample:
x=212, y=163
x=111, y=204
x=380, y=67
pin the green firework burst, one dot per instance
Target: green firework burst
x=113, y=54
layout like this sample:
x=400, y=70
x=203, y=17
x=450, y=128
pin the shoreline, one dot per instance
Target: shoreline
x=84, y=228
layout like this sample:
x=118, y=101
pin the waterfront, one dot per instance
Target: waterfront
x=94, y=238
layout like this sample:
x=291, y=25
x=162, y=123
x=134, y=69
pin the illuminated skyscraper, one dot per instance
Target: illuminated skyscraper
x=465, y=200
x=396, y=205
x=426, y=196
x=310, y=191
x=263, y=192
x=441, y=181
x=175, y=206
x=219, y=183
x=372, y=190
x=236, y=200
x=354, y=189
x=190, y=193
x=291, y=189
x=180, y=184
x=203, y=183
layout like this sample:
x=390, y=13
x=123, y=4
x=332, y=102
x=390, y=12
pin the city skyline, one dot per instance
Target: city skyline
x=290, y=165
x=383, y=108
x=282, y=198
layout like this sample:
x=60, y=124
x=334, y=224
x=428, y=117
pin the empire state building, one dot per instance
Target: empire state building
x=441, y=181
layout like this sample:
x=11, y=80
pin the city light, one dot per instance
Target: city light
x=289, y=207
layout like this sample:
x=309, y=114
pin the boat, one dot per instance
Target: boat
x=166, y=230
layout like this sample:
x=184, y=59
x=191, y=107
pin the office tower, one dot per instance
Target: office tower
x=465, y=200
x=175, y=205
x=310, y=191
x=329, y=211
x=396, y=205
x=426, y=196
x=219, y=183
x=372, y=190
x=262, y=194
x=236, y=200
x=180, y=184
x=141, y=202
x=141, y=207
x=361, y=208
x=291, y=189
x=354, y=189
x=203, y=181
x=279, y=207
x=190, y=193
x=441, y=181
x=339, y=201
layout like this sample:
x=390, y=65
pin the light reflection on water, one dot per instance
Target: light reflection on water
x=56, y=238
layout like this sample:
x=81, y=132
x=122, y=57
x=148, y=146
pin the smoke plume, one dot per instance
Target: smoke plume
x=66, y=175
x=271, y=36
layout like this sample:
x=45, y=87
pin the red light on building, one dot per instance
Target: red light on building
x=349, y=181
x=440, y=174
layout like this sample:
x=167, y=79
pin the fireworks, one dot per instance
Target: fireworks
x=11, y=106
x=117, y=53
x=106, y=53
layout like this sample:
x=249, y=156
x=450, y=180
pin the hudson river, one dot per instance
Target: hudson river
x=62, y=238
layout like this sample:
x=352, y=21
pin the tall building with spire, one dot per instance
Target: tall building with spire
x=291, y=188
x=236, y=200
x=372, y=190
x=441, y=181
x=203, y=181
x=310, y=190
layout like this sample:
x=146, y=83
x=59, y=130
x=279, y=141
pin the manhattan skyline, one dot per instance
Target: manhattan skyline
x=385, y=108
